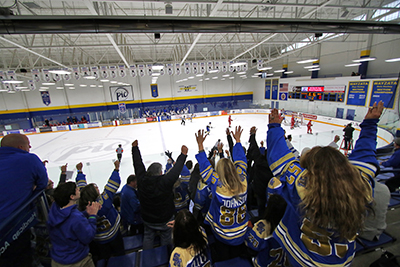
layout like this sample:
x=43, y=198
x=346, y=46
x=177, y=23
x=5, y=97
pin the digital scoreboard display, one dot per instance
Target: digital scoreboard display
x=312, y=88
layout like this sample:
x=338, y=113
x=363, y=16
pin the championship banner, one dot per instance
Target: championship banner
x=45, y=97
x=202, y=67
x=122, y=72
x=56, y=77
x=357, y=93
x=133, y=71
x=113, y=71
x=231, y=68
x=245, y=67
x=122, y=108
x=35, y=75
x=268, y=89
x=77, y=75
x=149, y=69
x=187, y=68
x=283, y=91
x=210, y=66
x=46, y=76
x=11, y=75
x=177, y=69
x=169, y=69
x=384, y=90
x=2, y=75
x=217, y=66
x=259, y=64
x=95, y=72
x=154, y=90
x=121, y=93
x=195, y=67
x=85, y=71
x=275, y=86
x=31, y=85
x=67, y=76
x=224, y=66
x=162, y=72
x=8, y=87
x=141, y=70
x=187, y=88
x=104, y=72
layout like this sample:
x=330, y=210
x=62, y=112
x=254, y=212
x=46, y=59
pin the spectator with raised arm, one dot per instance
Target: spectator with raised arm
x=156, y=196
x=327, y=194
x=227, y=215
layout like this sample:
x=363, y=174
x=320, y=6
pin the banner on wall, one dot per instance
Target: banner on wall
x=2, y=77
x=268, y=89
x=217, y=66
x=56, y=77
x=121, y=93
x=384, y=90
x=177, y=69
x=31, y=85
x=104, y=72
x=122, y=72
x=77, y=75
x=224, y=66
x=45, y=97
x=357, y=93
x=133, y=71
x=149, y=69
x=187, y=68
x=154, y=90
x=283, y=91
x=195, y=67
x=274, y=89
x=187, y=88
x=95, y=71
x=170, y=70
x=113, y=71
x=202, y=67
x=141, y=70
x=46, y=76
x=231, y=68
x=122, y=107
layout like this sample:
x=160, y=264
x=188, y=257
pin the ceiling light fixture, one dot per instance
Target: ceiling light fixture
x=364, y=59
x=59, y=87
x=157, y=67
x=69, y=84
x=240, y=73
x=307, y=61
x=393, y=59
x=314, y=69
x=71, y=88
x=352, y=65
x=288, y=72
x=199, y=75
x=279, y=70
x=230, y=78
x=60, y=72
x=12, y=81
x=104, y=80
x=311, y=67
x=265, y=68
x=48, y=83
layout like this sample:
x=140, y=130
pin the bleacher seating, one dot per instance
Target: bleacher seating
x=128, y=260
x=158, y=256
x=133, y=243
x=364, y=246
x=235, y=262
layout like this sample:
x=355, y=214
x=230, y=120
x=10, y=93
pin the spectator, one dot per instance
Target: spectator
x=46, y=122
x=228, y=212
x=291, y=147
x=348, y=136
x=334, y=142
x=394, y=162
x=108, y=239
x=50, y=190
x=22, y=174
x=190, y=242
x=70, y=232
x=375, y=223
x=156, y=196
x=130, y=206
x=259, y=238
x=327, y=194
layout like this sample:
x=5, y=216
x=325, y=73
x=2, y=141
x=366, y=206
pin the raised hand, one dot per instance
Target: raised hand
x=79, y=166
x=228, y=132
x=168, y=154
x=184, y=150
x=274, y=117
x=200, y=137
x=253, y=130
x=93, y=207
x=375, y=111
x=238, y=132
x=116, y=164
x=220, y=146
x=64, y=167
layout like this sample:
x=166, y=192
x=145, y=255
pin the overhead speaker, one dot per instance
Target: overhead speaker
x=157, y=36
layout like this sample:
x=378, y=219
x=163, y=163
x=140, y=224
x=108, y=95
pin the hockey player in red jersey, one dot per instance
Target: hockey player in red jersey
x=230, y=120
x=309, y=124
x=292, y=122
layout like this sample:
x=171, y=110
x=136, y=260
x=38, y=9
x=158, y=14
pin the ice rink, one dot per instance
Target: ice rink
x=96, y=147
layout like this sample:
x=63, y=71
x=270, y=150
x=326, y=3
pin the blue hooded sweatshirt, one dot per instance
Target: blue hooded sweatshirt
x=70, y=234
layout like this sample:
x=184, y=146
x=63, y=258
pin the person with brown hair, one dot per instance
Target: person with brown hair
x=328, y=195
x=227, y=215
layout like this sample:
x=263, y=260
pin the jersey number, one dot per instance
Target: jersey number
x=228, y=216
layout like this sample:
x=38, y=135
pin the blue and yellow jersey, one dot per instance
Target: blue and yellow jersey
x=270, y=252
x=108, y=218
x=202, y=199
x=186, y=257
x=227, y=215
x=307, y=244
x=181, y=198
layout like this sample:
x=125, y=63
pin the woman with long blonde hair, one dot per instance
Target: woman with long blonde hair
x=227, y=215
x=328, y=195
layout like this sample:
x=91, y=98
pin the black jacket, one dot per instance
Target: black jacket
x=156, y=192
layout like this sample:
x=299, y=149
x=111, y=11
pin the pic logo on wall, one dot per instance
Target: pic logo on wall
x=121, y=93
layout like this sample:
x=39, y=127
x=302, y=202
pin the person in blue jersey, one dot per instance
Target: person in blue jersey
x=227, y=215
x=130, y=206
x=328, y=195
x=69, y=230
x=22, y=175
x=190, y=243
x=108, y=240
x=259, y=238
x=394, y=162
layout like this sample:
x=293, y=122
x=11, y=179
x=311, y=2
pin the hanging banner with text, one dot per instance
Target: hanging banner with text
x=267, y=89
x=154, y=90
x=357, y=93
x=283, y=91
x=187, y=88
x=384, y=90
x=121, y=93
x=275, y=87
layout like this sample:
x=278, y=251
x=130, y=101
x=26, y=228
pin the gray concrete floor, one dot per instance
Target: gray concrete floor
x=393, y=228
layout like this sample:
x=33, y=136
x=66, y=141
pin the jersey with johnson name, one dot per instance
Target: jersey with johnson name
x=307, y=244
x=227, y=215
x=108, y=218
x=270, y=252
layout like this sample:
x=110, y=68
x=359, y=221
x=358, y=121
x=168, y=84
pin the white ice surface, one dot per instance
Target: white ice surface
x=96, y=147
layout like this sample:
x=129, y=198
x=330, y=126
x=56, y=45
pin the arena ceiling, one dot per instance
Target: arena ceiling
x=55, y=33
